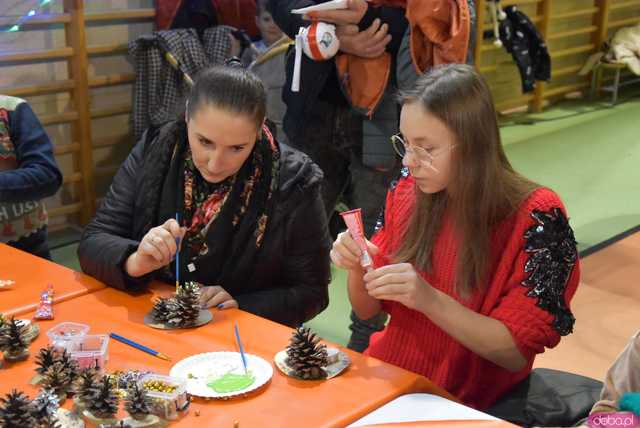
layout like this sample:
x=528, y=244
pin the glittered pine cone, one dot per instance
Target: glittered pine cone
x=161, y=308
x=186, y=310
x=44, y=409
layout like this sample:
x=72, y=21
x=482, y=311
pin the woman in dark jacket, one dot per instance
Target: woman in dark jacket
x=251, y=227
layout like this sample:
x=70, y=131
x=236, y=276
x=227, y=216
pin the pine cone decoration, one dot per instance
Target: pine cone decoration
x=86, y=386
x=16, y=411
x=57, y=379
x=45, y=408
x=305, y=355
x=161, y=307
x=105, y=402
x=3, y=329
x=138, y=403
x=187, y=306
x=45, y=359
x=69, y=365
x=12, y=337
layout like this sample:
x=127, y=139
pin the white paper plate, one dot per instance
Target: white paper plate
x=211, y=365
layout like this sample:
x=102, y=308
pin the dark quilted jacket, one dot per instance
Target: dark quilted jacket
x=288, y=282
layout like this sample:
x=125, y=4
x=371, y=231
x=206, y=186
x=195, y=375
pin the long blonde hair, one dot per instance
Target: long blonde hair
x=483, y=189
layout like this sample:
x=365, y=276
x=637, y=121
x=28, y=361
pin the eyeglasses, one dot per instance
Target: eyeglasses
x=424, y=157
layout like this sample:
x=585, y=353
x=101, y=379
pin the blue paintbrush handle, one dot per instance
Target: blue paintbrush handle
x=178, y=255
x=244, y=360
x=132, y=343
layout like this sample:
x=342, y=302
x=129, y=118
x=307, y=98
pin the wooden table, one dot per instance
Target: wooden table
x=32, y=275
x=283, y=402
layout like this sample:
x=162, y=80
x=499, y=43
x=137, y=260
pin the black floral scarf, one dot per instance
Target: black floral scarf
x=245, y=195
x=226, y=222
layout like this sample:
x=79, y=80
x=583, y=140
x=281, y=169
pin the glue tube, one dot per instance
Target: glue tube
x=353, y=220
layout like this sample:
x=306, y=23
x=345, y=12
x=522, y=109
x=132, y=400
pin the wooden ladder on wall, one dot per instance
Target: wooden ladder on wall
x=78, y=85
x=547, y=18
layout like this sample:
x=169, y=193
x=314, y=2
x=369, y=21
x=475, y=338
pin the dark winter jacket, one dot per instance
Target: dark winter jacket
x=288, y=281
x=319, y=79
x=524, y=42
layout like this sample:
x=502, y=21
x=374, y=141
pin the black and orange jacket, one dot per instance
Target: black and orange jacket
x=440, y=31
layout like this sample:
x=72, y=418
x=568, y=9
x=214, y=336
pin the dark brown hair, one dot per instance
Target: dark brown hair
x=483, y=188
x=230, y=88
x=261, y=6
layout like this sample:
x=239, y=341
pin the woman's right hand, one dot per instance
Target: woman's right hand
x=346, y=253
x=156, y=249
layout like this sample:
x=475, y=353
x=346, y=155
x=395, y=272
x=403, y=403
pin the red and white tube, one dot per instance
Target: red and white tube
x=353, y=220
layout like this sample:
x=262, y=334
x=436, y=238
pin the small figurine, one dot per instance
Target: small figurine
x=45, y=307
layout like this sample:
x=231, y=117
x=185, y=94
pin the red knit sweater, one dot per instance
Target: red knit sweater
x=413, y=342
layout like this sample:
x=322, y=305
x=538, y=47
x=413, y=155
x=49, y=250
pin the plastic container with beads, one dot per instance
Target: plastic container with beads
x=62, y=334
x=91, y=350
x=168, y=395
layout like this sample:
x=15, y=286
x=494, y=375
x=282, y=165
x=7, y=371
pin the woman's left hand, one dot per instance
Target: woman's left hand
x=370, y=43
x=399, y=283
x=216, y=296
x=353, y=14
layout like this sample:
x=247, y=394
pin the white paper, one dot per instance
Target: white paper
x=420, y=407
x=330, y=5
x=297, y=65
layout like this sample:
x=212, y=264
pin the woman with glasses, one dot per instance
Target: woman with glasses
x=474, y=263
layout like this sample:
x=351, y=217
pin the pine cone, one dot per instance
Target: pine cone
x=4, y=331
x=161, y=307
x=45, y=408
x=57, y=379
x=16, y=411
x=105, y=402
x=138, y=403
x=187, y=308
x=305, y=355
x=69, y=365
x=45, y=359
x=12, y=337
x=86, y=386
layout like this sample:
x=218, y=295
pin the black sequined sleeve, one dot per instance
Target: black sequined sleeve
x=535, y=304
